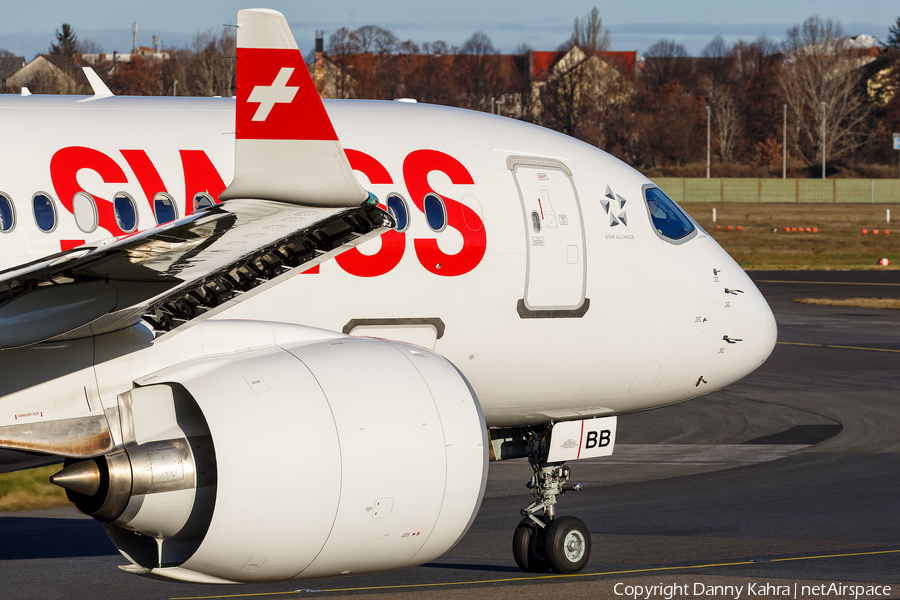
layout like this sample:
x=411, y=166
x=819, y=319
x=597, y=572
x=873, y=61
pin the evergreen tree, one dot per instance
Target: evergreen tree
x=893, y=41
x=66, y=42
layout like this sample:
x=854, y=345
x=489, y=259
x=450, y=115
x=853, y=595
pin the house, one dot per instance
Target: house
x=46, y=74
x=602, y=71
x=524, y=73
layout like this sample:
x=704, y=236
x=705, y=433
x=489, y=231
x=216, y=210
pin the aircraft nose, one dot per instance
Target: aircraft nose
x=750, y=331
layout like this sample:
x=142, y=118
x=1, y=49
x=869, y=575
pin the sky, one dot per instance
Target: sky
x=27, y=28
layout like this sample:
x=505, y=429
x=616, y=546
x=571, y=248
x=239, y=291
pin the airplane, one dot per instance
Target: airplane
x=234, y=406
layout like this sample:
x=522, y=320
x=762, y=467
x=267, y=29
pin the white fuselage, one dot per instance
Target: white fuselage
x=592, y=314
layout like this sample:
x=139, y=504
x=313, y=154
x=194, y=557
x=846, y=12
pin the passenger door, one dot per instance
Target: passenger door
x=557, y=266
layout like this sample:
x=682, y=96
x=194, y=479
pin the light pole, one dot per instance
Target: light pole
x=823, y=140
x=175, y=88
x=784, y=144
x=707, y=142
x=897, y=141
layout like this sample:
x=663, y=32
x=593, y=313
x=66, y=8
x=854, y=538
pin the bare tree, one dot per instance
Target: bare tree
x=375, y=48
x=725, y=115
x=817, y=72
x=589, y=33
x=434, y=80
x=400, y=70
x=752, y=59
x=671, y=128
x=89, y=46
x=582, y=94
x=567, y=98
x=210, y=68
x=664, y=63
x=138, y=77
x=343, y=45
x=480, y=73
x=718, y=61
x=524, y=96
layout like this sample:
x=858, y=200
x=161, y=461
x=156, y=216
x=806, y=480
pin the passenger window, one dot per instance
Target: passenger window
x=669, y=221
x=435, y=212
x=7, y=214
x=164, y=208
x=396, y=206
x=202, y=200
x=85, y=210
x=535, y=221
x=126, y=212
x=44, y=212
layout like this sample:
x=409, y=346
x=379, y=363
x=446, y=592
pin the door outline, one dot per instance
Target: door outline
x=559, y=311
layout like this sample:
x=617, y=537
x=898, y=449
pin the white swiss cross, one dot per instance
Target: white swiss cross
x=270, y=95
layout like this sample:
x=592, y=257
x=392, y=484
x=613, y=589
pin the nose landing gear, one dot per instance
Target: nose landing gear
x=543, y=542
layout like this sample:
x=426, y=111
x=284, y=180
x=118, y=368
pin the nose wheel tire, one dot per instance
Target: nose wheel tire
x=529, y=547
x=567, y=545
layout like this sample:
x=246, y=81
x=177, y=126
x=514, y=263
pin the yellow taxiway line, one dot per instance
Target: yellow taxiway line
x=838, y=347
x=541, y=577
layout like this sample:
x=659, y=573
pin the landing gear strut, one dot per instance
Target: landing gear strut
x=544, y=541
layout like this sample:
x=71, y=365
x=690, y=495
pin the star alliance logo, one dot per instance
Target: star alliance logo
x=607, y=202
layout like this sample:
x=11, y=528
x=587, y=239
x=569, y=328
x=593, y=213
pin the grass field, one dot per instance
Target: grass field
x=30, y=490
x=839, y=243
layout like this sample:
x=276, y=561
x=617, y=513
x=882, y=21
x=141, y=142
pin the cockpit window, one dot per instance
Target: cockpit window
x=669, y=221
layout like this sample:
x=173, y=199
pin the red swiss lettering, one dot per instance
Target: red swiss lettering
x=200, y=175
x=69, y=244
x=393, y=243
x=64, y=167
x=416, y=167
x=148, y=176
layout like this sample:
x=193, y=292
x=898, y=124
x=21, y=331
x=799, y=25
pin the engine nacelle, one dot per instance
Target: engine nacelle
x=347, y=455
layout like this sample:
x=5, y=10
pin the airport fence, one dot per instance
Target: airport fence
x=741, y=189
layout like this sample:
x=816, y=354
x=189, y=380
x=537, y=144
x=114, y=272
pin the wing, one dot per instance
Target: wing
x=294, y=202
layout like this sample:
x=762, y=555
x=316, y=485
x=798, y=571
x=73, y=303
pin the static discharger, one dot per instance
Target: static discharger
x=82, y=478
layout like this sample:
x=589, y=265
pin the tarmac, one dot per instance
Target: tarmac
x=785, y=479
